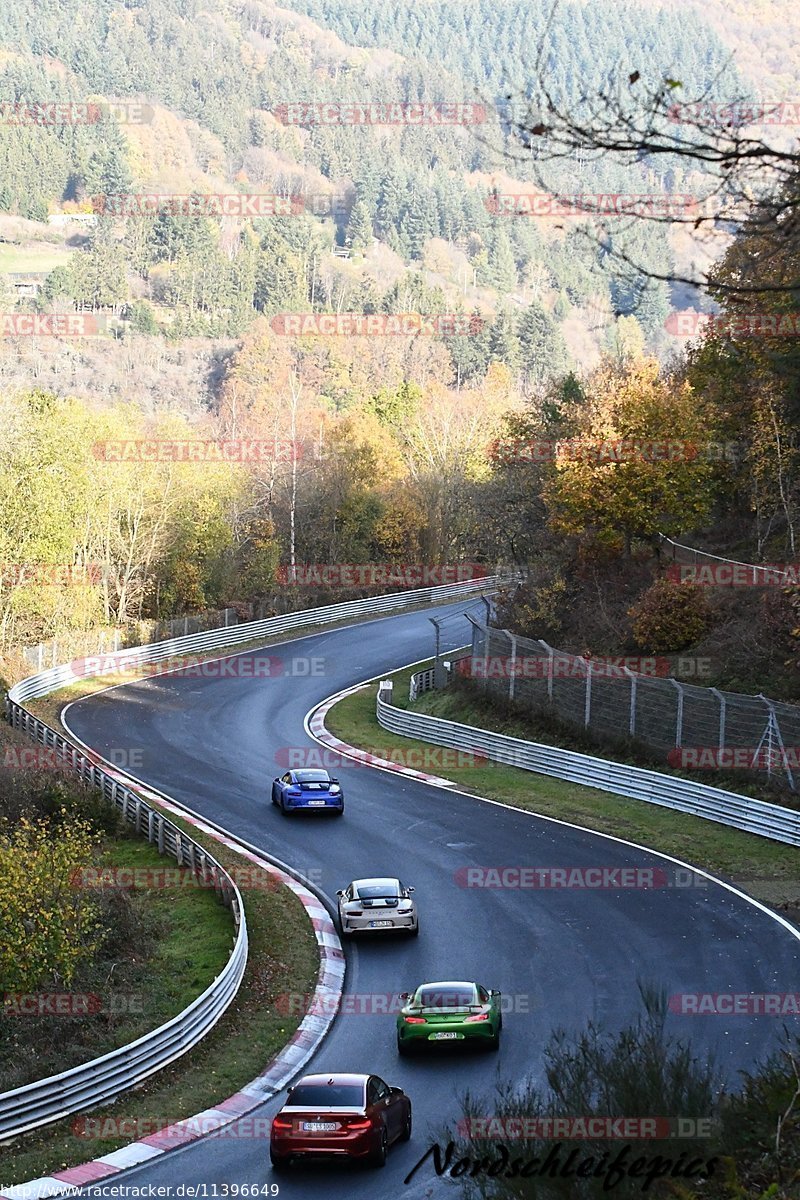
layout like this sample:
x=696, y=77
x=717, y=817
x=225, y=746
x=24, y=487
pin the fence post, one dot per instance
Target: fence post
x=179, y=847
x=587, y=704
x=679, y=715
x=185, y=626
x=550, y=656
x=774, y=729
x=160, y=831
x=722, y=707
x=512, y=664
x=632, y=718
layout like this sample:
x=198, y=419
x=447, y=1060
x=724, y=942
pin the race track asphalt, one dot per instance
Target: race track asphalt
x=559, y=956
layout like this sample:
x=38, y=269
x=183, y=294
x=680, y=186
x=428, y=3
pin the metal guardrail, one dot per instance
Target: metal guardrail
x=51, y=680
x=105, y=1078
x=425, y=681
x=668, y=791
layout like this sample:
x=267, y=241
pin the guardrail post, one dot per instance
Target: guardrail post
x=178, y=848
x=679, y=715
x=160, y=831
x=138, y=813
x=587, y=704
x=722, y=708
x=151, y=824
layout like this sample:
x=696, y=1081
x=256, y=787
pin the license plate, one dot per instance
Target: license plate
x=316, y=804
x=380, y=924
x=319, y=1126
x=445, y=1037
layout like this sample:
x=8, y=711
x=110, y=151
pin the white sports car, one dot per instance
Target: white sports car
x=377, y=905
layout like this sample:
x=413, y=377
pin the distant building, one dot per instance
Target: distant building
x=27, y=283
x=72, y=219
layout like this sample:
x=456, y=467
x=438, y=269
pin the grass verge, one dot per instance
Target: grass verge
x=767, y=870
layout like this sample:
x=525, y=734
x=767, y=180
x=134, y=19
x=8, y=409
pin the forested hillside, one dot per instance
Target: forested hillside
x=393, y=198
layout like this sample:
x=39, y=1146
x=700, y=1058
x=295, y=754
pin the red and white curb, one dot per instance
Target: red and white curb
x=315, y=724
x=303, y=1044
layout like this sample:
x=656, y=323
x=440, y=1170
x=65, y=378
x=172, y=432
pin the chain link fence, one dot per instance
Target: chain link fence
x=692, y=727
x=83, y=644
x=689, y=556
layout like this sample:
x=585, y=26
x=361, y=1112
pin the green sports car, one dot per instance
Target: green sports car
x=453, y=1012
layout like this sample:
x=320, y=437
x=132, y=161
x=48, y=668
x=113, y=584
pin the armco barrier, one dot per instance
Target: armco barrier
x=104, y=1078
x=668, y=791
x=199, y=643
x=107, y=1077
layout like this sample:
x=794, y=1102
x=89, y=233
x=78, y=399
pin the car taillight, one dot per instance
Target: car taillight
x=281, y=1123
x=358, y=1123
x=476, y=1017
x=294, y=794
x=414, y=1020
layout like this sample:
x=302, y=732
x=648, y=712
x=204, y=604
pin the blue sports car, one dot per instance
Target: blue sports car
x=307, y=789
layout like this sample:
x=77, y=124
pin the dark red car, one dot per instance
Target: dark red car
x=337, y=1116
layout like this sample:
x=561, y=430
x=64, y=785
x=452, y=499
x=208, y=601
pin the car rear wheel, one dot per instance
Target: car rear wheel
x=405, y=1136
x=279, y=1162
x=403, y=1048
x=415, y=931
x=493, y=1043
x=339, y=811
x=378, y=1157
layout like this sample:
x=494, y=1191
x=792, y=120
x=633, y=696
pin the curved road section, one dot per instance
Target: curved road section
x=559, y=954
